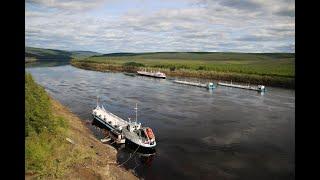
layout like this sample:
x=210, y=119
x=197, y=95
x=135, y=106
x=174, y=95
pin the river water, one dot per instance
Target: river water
x=226, y=133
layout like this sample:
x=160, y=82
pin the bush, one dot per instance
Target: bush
x=201, y=68
x=133, y=64
x=172, y=68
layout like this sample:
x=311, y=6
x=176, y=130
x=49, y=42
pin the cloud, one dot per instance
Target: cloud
x=244, y=26
x=241, y=4
x=74, y=5
x=287, y=12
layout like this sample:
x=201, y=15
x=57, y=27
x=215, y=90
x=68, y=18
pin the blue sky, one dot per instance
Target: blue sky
x=109, y=26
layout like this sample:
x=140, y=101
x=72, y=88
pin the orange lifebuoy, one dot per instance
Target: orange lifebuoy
x=150, y=133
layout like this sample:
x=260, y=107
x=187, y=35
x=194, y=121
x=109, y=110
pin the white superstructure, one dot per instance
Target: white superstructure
x=121, y=130
x=152, y=74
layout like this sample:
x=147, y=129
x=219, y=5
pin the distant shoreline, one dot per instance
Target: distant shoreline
x=267, y=80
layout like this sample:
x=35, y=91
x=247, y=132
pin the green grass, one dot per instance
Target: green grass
x=276, y=69
x=38, y=113
x=44, y=132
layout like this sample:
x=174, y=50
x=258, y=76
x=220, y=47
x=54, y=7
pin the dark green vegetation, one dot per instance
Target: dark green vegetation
x=38, y=113
x=273, y=69
x=40, y=54
x=44, y=131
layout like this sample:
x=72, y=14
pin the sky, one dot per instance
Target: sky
x=109, y=26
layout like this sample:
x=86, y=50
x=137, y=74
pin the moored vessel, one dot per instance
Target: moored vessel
x=122, y=131
x=209, y=85
x=157, y=74
x=138, y=135
x=259, y=88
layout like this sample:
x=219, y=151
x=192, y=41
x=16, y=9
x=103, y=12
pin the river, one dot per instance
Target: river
x=226, y=133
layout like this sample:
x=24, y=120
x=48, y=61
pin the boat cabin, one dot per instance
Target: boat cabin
x=133, y=126
x=211, y=86
x=261, y=88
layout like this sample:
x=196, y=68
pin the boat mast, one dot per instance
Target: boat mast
x=136, y=108
x=97, y=100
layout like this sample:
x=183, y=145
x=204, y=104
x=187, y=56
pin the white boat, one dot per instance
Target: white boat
x=122, y=131
x=208, y=86
x=138, y=135
x=260, y=88
x=111, y=122
x=157, y=74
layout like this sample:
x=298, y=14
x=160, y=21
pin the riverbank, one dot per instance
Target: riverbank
x=68, y=150
x=283, y=81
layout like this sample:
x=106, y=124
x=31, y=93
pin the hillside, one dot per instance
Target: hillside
x=210, y=56
x=40, y=54
x=58, y=145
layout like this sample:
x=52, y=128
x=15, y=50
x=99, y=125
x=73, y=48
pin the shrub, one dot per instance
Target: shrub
x=172, y=68
x=133, y=64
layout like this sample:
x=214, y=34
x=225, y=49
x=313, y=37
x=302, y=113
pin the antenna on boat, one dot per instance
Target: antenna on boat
x=136, y=108
x=97, y=91
x=97, y=100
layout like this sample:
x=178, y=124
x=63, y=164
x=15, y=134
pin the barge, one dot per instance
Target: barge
x=122, y=131
x=208, y=85
x=157, y=74
x=259, y=88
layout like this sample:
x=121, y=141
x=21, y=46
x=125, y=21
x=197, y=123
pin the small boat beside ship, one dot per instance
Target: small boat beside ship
x=122, y=131
x=259, y=88
x=208, y=85
x=157, y=74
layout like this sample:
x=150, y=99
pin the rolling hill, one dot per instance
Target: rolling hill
x=40, y=54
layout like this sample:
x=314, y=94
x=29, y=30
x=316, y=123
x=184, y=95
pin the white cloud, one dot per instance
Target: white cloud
x=246, y=26
x=73, y=5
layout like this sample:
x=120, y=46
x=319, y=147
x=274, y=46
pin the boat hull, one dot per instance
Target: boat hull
x=102, y=123
x=160, y=77
x=142, y=149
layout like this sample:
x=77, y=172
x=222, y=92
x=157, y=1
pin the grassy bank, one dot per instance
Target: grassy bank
x=59, y=145
x=275, y=69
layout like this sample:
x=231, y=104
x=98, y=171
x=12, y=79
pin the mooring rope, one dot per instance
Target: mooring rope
x=129, y=157
x=137, y=164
